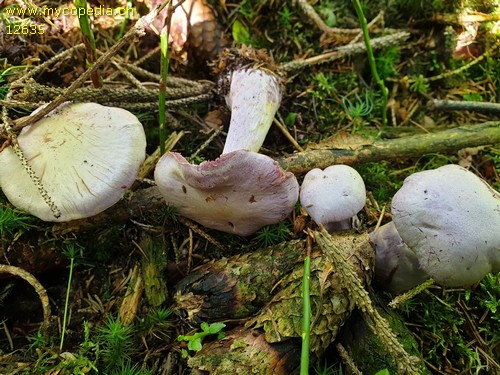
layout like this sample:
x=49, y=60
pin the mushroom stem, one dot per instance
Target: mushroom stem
x=254, y=98
x=339, y=225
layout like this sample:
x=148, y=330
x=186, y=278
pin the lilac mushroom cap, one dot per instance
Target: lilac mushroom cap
x=450, y=218
x=334, y=196
x=86, y=156
x=396, y=265
x=239, y=192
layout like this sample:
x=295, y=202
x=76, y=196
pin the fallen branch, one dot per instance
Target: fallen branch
x=459, y=105
x=446, y=141
x=42, y=293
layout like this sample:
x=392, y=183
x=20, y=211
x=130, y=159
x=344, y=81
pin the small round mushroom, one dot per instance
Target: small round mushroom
x=239, y=192
x=450, y=218
x=86, y=156
x=254, y=98
x=396, y=266
x=334, y=196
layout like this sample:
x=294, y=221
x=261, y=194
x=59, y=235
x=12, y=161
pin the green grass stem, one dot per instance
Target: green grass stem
x=123, y=26
x=88, y=39
x=371, y=59
x=306, y=317
x=163, y=88
x=71, y=253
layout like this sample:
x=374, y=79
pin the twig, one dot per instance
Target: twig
x=452, y=140
x=398, y=301
x=195, y=228
x=214, y=134
x=287, y=134
x=42, y=293
x=347, y=359
x=458, y=105
x=137, y=30
x=378, y=18
x=351, y=49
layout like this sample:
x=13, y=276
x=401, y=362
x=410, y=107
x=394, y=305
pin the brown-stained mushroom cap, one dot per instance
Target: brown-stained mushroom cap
x=239, y=192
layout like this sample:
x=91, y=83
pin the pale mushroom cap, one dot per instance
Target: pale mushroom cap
x=451, y=219
x=86, y=156
x=239, y=192
x=254, y=98
x=396, y=265
x=333, y=195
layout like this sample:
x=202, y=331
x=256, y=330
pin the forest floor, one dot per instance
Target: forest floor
x=99, y=322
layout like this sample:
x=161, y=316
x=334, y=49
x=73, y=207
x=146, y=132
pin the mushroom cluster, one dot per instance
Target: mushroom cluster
x=450, y=219
x=86, y=156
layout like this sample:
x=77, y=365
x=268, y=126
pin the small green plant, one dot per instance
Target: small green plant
x=285, y=17
x=324, y=369
x=194, y=341
x=325, y=84
x=380, y=180
x=473, y=97
x=491, y=287
x=240, y=33
x=362, y=107
x=115, y=342
x=386, y=62
x=13, y=221
x=157, y=323
x=273, y=234
x=38, y=341
x=420, y=85
x=128, y=369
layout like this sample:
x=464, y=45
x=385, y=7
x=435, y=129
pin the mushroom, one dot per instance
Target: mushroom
x=396, y=265
x=450, y=218
x=254, y=98
x=86, y=156
x=239, y=192
x=334, y=196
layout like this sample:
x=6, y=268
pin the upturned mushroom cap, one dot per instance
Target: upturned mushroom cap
x=450, y=218
x=396, y=265
x=333, y=196
x=254, y=97
x=86, y=156
x=239, y=192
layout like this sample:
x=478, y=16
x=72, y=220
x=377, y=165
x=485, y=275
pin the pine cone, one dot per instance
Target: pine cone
x=236, y=287
x=270, y=342
x=281, y=318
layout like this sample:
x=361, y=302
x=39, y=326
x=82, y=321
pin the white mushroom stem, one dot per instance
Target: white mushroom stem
x=254, y=98
x=238, y=193
x=396, y=269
